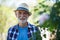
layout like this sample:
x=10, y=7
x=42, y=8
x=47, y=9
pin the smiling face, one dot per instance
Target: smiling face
x=22, y=16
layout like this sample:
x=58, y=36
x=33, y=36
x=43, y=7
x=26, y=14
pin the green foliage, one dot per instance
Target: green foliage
x=39, y=9
x=54, y=11
x=55, y=15
x=54, y=20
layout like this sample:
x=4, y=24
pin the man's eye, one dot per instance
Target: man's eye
x=19, y=12
x=25, y=13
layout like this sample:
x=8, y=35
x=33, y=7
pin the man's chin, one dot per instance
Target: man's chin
x=22, y=21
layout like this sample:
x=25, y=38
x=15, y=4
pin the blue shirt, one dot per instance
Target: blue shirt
x=13, y=32
x=23, y=33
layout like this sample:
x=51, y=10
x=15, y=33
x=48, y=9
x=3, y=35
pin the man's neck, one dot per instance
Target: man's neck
x=23, y=24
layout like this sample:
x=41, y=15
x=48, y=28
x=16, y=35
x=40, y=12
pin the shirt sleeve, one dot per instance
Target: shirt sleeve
x=8, y=33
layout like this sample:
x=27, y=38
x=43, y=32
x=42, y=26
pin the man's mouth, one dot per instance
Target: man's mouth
x=22, y=18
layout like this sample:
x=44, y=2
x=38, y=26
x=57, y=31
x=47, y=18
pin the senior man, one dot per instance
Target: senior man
x=23, y=30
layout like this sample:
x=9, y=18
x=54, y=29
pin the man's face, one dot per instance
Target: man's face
x=22, y=15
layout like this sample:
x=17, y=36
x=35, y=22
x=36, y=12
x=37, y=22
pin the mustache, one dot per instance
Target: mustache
x=22, y=18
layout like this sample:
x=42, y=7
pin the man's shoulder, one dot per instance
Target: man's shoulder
x=13, y=27
x=35, y=28
x=32, y=25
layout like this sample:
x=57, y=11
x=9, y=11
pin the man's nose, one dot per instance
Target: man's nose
x=22, y=15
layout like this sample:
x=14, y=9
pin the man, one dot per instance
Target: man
x=23, y=30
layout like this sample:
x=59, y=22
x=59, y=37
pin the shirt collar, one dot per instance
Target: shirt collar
x=17, y=26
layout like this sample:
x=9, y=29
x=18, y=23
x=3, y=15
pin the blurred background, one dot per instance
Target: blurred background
x=45, y=15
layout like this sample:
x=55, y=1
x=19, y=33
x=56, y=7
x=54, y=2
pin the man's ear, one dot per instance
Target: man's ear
x=15, y=14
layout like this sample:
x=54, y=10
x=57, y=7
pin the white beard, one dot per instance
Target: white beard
x=22, y=21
